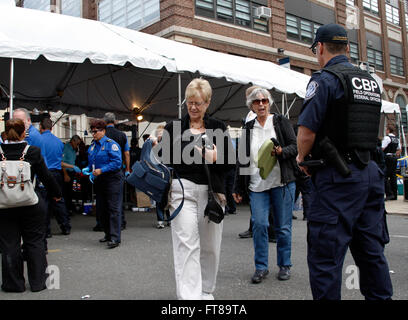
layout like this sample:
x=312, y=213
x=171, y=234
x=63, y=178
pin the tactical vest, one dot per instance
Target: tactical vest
x=352, y=122
x=392, y=146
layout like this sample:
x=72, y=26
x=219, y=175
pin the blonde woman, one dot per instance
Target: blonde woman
x=196, y=240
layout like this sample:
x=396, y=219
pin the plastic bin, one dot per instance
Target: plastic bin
x=406, y=188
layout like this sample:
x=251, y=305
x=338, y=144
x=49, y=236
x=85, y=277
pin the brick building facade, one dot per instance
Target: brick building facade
x=378, y=29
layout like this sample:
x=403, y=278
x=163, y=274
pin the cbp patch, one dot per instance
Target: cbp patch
x=311, y=90
x=115, y=147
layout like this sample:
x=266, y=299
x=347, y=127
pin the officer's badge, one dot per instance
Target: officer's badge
x=115, y=147
x=311, y=90
x=92, y=148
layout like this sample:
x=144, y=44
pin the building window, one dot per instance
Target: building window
x=392, y=14
x=371, y=6
x=406, y=20
x=300, y=29
x=43, y=5
x=354, y=56
x=239, y=12
x=71, y=7
x=350, y=3
x=132, y=14
x=397, y=66
x=375, y=58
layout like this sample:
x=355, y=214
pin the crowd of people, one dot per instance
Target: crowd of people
x=343, y=197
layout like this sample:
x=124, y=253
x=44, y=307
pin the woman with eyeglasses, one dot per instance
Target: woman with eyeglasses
x=104, y=165
x=196, y=240
x=277, y=189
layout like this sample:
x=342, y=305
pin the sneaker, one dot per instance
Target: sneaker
x=284, y=273
x=206, y=296
x=259, y=275
x=160, y=225
x=245, y=234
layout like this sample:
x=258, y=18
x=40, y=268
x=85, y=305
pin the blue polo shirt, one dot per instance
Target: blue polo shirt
x=322, y=90
x=105, y=154
x=53, y=148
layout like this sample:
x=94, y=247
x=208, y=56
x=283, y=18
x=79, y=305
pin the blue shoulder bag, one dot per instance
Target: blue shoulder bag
x=154, y=179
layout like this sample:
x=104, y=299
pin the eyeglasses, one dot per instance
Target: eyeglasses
x=258, y=101
x=194, y=103
x=95, y=131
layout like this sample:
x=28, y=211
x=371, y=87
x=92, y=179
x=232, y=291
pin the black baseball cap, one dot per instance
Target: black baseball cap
x=331, y=32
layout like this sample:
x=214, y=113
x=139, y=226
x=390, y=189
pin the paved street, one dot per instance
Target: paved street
x=142, y=267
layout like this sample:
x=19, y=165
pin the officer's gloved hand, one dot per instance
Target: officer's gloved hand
x=91, y=178
x=127, y=174
x=86, y=171
x=76, y=169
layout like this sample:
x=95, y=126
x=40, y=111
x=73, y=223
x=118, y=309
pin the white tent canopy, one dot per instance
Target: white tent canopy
x=390, y=107
x=84, y=66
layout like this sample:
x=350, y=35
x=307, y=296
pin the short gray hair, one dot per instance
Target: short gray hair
x=109, y=117
x=76, y=138
x=253, y=96
x=28, y=117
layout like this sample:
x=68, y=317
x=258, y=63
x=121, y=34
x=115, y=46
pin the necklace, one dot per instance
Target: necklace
x=192, y=126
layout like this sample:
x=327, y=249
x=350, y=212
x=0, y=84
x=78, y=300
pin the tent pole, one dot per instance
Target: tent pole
x=179, y=95
x=11, y=86
x=283, y=104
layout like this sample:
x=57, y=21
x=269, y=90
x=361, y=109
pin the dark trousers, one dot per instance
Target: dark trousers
x=304, y=185
x=348, y=213
x=109, y=198
x=68, y=192
x=391, y=188
x=56, y=208
x=25, y=223
x=229, y=185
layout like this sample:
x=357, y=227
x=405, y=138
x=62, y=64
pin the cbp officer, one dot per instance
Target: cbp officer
x=392, y=149
x=339, y=123
x=104, y=168
x=120, y=138
x=52, y=150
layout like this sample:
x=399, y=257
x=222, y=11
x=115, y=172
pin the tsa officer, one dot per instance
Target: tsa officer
x=341, y=113
x=104, y=168
x=52, y=151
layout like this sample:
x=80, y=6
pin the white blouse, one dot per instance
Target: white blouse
x=259, y=135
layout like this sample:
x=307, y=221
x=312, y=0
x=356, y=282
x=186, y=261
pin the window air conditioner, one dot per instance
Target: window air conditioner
x=263, y=12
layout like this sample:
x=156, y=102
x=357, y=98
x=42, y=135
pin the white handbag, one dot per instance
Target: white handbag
x=16, y=187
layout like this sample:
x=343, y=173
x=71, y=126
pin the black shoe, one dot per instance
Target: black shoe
x=245, y=234
x=104, y=240
x=48, y=235
x=391, y=198
x=294, y=217
x=97, y=228
x=123, y=227
x=259, y=275
x=271, y=239
x=284, y=273
x=113, y=244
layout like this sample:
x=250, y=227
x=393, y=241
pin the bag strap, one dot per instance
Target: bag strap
x=207, y=172
x=177, y=211
x=24, y=152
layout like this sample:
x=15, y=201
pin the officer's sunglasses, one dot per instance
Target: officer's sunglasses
x=96, y=131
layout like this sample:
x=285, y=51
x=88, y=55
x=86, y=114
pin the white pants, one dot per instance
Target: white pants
x=196, y=242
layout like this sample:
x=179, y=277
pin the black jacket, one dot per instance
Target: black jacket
x=217, y=171
x=14, y=151
x=287, y=160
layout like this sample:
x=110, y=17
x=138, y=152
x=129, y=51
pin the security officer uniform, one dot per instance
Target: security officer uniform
x=105, y=154
x=120, y=138
x=343, y=103
x=52, y=151
x=391, y=159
